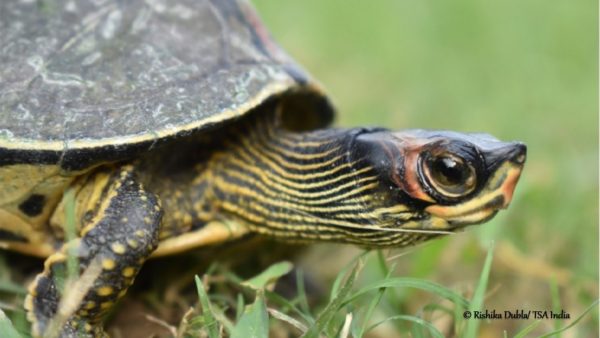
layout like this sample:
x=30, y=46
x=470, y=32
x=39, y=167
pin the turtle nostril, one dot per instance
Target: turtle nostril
x=520, y=159
x=519, y=153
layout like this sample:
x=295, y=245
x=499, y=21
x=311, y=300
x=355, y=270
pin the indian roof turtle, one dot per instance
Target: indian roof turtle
x=183, y=124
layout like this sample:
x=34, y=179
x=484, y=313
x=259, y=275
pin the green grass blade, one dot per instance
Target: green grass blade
x=302, y=298
x=416, y=332
x=459, y=310
x=255, y=320
x=590, y=308
x=477, y=301
x=71, y=234
x=334, y=305
x=431, y=308
x=10, y=287
x=403, y=282
x=419, y=321
x=372, y=305
x=210, y=321
x=375, y=301
x=527, y=329
x=222, y=319
x=340, y=277
x=269, y=275
x=556, y=306
x=239, y=309
x=7, y=330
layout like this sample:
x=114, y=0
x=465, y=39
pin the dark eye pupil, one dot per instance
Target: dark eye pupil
x=449, y=171
x=450, y=175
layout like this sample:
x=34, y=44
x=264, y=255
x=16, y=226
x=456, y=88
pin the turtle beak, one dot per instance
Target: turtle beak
x=515, y=152
x=511, y=156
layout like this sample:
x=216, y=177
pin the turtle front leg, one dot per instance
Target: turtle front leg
x=117, y=235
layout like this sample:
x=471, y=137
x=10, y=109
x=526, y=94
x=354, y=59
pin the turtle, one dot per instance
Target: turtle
x=149, y=128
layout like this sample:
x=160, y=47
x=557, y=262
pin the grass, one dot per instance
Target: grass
x=346, y=302
x=518, y=70
x=348, y=313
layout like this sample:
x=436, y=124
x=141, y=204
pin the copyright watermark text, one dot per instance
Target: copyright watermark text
x=516, y=314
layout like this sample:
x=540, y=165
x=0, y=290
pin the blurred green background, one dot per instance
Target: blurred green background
x=520, y=70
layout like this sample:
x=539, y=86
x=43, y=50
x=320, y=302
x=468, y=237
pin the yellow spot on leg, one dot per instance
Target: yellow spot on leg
x=139, y=233
x=118, y=248
x=106, y=305
x=104, y=291
x=132, y=243
x=108, y=264
x=90, y=305
x=128, y=271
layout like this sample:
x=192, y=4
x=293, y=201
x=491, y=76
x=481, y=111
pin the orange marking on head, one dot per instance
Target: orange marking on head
x=410, y=149
x=412, y=184
x=508, y=187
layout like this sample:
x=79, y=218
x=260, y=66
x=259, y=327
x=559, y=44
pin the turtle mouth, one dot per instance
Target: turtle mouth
x=473, y=217
x=495, y=195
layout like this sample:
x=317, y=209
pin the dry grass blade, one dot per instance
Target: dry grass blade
x=172, y=330
x=75, y=291
x=345, y=332
x=185, y=322
x=285, y=318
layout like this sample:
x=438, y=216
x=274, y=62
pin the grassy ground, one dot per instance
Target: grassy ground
x=518, y=70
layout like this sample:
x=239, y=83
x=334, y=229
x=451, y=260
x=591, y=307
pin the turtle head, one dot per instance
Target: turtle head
x=441, y=180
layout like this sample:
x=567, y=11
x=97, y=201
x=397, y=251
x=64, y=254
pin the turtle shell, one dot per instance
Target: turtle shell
x=84, y=82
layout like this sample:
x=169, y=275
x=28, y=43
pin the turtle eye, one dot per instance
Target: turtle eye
x=449, y=175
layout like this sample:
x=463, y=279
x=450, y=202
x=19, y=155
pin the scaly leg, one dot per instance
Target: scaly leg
x=115, y=239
